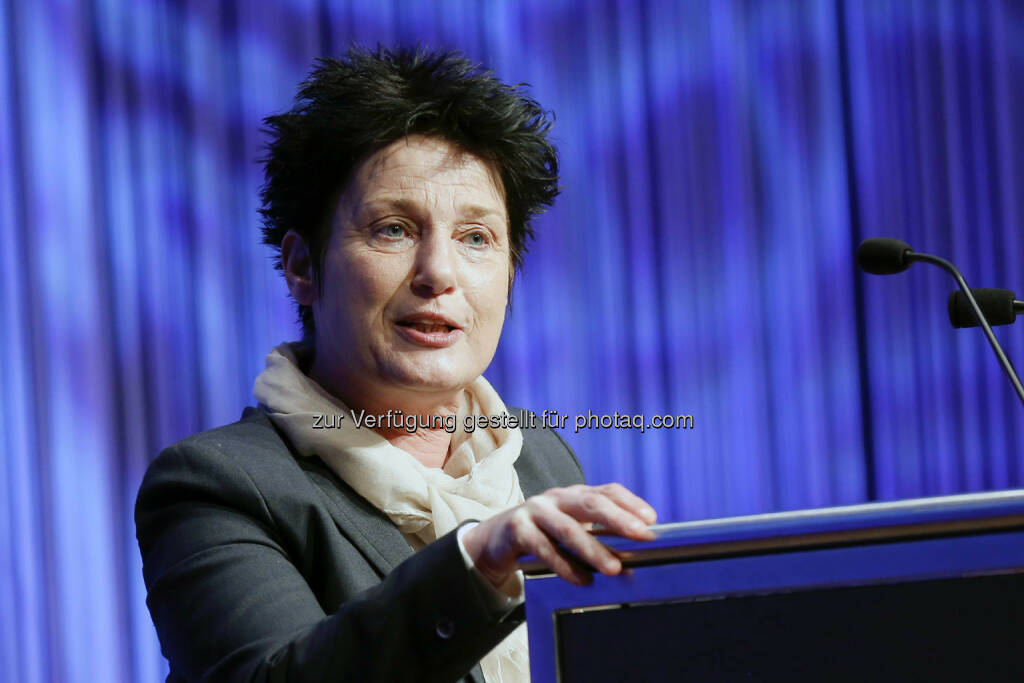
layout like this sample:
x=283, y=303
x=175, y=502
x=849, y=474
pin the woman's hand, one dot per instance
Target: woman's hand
x=560, y=516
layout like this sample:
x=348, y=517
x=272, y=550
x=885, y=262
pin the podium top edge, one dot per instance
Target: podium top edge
x=989, y=503
x=796, y=529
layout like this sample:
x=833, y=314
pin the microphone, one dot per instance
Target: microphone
x=1000, y=307
x=885, y=256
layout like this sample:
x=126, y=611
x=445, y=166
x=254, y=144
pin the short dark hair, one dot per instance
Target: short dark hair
x=349, y=108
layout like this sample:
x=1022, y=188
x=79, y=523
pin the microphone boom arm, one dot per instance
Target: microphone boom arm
x=952, y=270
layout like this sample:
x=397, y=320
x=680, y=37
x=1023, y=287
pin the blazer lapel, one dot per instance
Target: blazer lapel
x=369, y=529
x=527, y=482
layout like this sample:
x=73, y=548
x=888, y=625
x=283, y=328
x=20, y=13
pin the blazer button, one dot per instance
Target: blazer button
x=445, y=628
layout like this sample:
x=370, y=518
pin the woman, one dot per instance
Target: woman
x=330, y=533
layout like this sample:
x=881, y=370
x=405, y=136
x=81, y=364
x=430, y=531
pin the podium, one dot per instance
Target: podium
x=929, y=589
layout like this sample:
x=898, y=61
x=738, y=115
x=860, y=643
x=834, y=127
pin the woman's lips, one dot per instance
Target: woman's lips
x=430, y=334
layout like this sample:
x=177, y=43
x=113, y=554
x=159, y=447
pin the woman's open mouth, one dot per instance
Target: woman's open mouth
x=425, y=327
x=430, y=332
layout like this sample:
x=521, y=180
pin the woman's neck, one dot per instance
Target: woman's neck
x=429, y=446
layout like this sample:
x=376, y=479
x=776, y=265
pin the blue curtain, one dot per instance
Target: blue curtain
x=721, y=161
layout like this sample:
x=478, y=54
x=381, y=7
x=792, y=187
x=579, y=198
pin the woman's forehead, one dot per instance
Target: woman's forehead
x=422, y=164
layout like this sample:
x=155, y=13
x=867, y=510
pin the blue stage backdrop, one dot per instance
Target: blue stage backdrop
x=721, y=161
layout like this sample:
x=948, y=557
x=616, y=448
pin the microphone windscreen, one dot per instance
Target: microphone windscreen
x=883, y=255
x=996, y=304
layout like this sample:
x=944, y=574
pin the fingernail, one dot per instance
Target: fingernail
x=636, y=526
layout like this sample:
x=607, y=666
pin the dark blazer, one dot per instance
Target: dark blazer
x=262, y=565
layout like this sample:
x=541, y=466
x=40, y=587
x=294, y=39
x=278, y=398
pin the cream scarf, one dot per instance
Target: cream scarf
x=477, y=481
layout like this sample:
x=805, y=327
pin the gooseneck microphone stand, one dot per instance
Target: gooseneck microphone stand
x=885, y=256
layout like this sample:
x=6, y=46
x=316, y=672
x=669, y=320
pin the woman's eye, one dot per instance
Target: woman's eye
x=391, y=236
x=392, y=231
x=476, y=239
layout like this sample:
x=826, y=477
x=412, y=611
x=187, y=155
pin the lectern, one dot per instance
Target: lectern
x=929, y=589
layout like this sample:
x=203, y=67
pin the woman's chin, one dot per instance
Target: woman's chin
x=430, y=380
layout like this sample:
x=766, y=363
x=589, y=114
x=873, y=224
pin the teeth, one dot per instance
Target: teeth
x=430, y=328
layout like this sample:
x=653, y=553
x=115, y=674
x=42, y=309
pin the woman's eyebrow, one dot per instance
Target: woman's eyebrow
x=411, y=207
x=398, y=205
x=475, y=211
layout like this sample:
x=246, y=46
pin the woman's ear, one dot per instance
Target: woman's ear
x=298, y=268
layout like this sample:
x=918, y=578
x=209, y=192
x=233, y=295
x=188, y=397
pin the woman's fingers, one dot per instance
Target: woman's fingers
x=526, y=535
x=628, y=500
x=560, y=517
x=568, y=532
x=612, y=506
x=564, y=566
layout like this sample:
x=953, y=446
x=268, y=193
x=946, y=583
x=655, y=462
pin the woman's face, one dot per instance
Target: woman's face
x=415, y=275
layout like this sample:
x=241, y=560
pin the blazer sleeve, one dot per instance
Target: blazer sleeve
x=229, y=604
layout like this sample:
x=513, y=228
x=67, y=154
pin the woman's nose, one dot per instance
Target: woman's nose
x=434, y=265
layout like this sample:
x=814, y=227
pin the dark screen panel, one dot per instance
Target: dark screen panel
x=956, y=629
